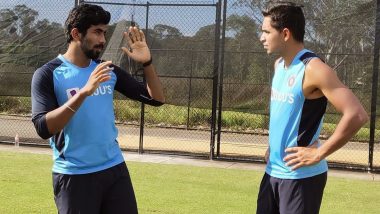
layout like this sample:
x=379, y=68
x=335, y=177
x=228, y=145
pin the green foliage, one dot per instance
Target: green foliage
x=362, y=135
x=7, y=103
x=126, y=111
x=170, y=115
x=15, y=105
x=166, y=31
x=241, y=119
x=26, y=40
x=244, y=121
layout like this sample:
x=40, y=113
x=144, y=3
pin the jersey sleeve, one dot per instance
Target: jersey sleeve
x=133, y=89
x=43, y=99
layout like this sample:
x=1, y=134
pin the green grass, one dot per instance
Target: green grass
x=25, y=183
x=25, y=187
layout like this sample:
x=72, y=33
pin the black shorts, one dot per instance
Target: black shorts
x=291, y=196
x=106, y=191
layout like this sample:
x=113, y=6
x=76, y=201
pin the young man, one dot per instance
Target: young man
x=296, y=170
x=72, y=104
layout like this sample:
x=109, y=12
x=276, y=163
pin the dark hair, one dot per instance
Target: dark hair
x=83, y=16
x=289, y=15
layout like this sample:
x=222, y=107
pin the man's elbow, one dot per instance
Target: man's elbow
x=362, y=117
x=157, y=103
x=161, y=100
x=44, y=135
x=41, y=128
x=159, y=97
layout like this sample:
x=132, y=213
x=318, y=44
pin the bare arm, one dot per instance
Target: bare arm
x=57, y=119
x=353, y=114
x=141, y=53
x=319, y=76
x=153, y=84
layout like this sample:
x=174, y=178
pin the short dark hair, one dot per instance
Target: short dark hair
x=285, y=14
x=83, y=16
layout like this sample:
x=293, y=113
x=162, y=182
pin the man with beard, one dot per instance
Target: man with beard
x=72, y=104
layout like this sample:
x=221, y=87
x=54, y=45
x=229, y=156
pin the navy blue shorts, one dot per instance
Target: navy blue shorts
x=106, y=191
x=291, y=196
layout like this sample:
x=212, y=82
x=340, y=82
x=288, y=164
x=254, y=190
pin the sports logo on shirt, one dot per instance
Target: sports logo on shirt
x=103, y=90
x=71, y=92
x=281, y=97
x=291, y=81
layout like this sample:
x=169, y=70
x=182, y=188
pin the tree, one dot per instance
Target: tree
x=25, y=40
x=166, y=31
x=341, y=32
x=8, y=25
x=335, y=29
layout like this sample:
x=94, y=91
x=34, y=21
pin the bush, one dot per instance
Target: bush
x=15, y=105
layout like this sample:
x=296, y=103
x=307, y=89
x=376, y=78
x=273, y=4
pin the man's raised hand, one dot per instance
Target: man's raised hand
x=137, y=43
x=99, y=75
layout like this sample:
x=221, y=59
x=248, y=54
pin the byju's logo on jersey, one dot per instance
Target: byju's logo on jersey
x=291, y=81
x=71, y=92
x=103, y=90
x=281, y=97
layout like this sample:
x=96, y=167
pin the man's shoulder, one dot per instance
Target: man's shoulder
x=313, y=62
x=308, y=56
x=45, y=72
x=50, y=66
x=317, y=71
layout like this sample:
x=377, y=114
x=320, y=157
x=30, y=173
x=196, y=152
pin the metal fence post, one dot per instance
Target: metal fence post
x=142, y=115
x=78, y=2
x=375, y=75
x=215, y=80
x=189, y=95
x=221, y=73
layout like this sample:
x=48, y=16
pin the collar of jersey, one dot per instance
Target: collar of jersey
x=295, y=59
x=61, y=57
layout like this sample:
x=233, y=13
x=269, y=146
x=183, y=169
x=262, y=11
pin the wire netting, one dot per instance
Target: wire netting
x=202, y=72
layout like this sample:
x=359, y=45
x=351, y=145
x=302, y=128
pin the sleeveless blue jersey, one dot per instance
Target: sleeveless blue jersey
x=88, y=142
x=294, y=120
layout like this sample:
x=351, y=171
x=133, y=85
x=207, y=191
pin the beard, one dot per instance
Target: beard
x=91, y=53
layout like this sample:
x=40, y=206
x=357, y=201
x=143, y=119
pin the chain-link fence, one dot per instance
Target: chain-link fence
x=211, y=63
x=341, y=33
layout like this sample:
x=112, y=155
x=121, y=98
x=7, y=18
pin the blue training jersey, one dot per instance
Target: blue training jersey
x=294, y=120
x=88, y=141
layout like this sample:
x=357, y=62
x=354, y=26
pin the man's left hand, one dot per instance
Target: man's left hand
x=302, y=156
x=139, y=50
